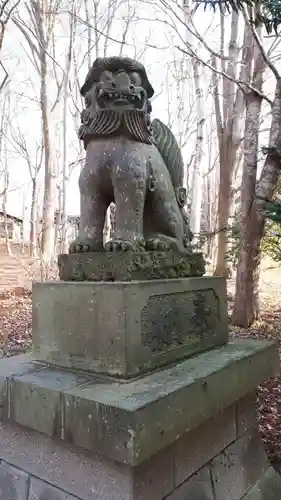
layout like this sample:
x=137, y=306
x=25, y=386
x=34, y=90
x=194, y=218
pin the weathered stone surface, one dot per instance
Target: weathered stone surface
x=246, y=413
x=267, y=488
x=131, y=161
x=76, y=430
x=239, y=467
x=13, y=483
x=43, y=491
x=198, y=487
x=83, y=475
x=14, y=365
x=200, y=445
x=130, y=422
x=35, y=398
x=148, y=323
x=137, y=419
x=128, y=266
x=154, y=479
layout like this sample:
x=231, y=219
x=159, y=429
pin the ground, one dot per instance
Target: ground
x=18, y=271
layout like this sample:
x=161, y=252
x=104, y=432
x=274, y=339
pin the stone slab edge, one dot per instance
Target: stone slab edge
x=130, y=422
x=267, y=488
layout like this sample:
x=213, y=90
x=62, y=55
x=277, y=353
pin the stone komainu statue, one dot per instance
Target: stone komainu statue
x=131, y=161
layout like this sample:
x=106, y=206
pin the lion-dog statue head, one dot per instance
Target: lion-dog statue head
x=117, y=96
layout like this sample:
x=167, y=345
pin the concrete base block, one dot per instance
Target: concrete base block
x=133, y=421
x=124, y=329
x=188, y=431
x=228, y=466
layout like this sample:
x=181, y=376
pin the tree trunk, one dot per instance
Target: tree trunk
x=4, y=203
x=2, y=32
x=65, y=169
x=227, y=161
x=253, y=196
x=197, y=177
x=33, y=232
x=246, y=309
x=229, y=137
x=50, y=176
x=197, y=174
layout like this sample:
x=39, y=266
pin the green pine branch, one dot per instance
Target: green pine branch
x=269, y=10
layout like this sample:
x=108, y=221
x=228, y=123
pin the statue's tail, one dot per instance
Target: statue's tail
x=168, y=147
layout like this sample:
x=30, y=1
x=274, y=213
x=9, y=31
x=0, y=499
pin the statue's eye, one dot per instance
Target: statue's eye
x=106, y=76
x=135, y=79
x=88, y=99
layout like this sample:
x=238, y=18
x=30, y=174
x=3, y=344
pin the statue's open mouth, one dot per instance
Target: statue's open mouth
x=107, y=98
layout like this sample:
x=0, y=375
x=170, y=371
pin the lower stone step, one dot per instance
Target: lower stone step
x=267, y=488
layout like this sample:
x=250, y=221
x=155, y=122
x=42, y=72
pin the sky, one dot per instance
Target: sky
x=152, y=34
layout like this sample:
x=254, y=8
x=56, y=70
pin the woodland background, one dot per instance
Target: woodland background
x=217, y=77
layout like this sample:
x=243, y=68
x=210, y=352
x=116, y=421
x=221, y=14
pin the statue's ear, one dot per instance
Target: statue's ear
x=87, y=84
x=147, y=85
x=92, y=76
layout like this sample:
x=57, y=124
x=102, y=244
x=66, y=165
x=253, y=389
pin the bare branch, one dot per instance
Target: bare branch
x=250, y=21
x=8, y=14
x=240, y=83
x=3, y=83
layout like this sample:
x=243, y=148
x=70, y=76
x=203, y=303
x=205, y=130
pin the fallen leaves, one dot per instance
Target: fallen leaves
x=15, y=321
x=269, y=395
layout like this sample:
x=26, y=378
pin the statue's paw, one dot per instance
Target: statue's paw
x=158, y=245
x=84, y=245
x=120, y=245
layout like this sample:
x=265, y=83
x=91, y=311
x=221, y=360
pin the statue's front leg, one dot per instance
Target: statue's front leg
x=130, y=183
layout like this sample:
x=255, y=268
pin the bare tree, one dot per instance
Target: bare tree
x=255, y=192
x=197, y=174
x=229, y=116
x=7, y=7
x=4, y=171
x=34, y=163
x=65, y=170
x=39, y=35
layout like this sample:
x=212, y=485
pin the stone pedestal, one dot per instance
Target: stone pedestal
x=188, y=431
x=133, y=392
x=127, y=328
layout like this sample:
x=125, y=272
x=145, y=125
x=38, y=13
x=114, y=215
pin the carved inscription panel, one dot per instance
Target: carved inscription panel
x=169, y=320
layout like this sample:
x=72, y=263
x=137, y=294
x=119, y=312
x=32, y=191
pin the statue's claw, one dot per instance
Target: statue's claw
x=157, y=244
x=162, y=243
x=84, y=245
x=124, y=246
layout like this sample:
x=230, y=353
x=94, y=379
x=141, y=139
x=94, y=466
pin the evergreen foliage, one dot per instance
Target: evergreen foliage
x=271, y=243
x=268, y=12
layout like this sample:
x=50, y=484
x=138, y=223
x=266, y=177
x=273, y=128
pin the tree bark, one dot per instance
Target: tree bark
x=229, y=138
x=65, y=169
x=253, y=196
x=50, y=176
x=49, y=199
x=33, y=232
x=5, y=201
x=2, y=33
x=197, y=177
